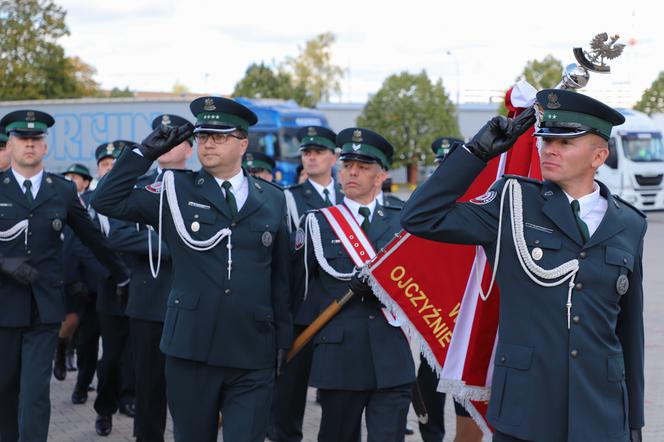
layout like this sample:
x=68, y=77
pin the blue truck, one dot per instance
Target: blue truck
x=83, y=124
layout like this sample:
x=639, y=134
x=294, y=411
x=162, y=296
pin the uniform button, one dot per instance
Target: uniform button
x=30, y=216
x=177, y=301
x=227, y=291
x=583, y=255
x=196, y=215
x=576, y=319
x=625, y=260
x=503, y=359
x=324, y=338
x=579, y=286
x=372, y=317
x=537, y=241
x=29, y=233
x=29, y=252
x=574, y=353
x=233, y=224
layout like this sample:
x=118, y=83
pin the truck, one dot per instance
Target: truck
x=634, y=168
x=83, y=124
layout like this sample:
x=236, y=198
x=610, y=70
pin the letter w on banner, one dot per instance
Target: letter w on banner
x=432, y=288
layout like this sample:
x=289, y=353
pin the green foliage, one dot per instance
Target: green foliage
x=410, y=112
x=543, y=74
x=308, y=78
x=652, y=100
x=261, y=81
x=120, y=93
x=32, y=64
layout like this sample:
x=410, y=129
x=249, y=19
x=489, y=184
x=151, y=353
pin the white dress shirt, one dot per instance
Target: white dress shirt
x=592, y=208
x=36, y=182
x=239, y=187
x=330, y=188
x=354, y=208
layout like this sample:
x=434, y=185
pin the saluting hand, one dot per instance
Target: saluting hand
x=499, y=134
x=163, y=139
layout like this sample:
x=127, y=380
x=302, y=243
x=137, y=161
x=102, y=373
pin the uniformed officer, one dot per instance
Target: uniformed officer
x=115, y=369
x=227, y=322
x=318, y=151
x=34, y=207
x=5, y=158
x=80, y=176
x=259, y=165
x=146, y=307
x=569, y=357
x=361, y=362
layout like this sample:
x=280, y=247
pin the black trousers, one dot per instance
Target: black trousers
x=434, y=429
x=25, y=376
x=114, y=339
x=290, y=394
x=385, y=411
x=87, y=346
x=149, y=362
x=197, y=392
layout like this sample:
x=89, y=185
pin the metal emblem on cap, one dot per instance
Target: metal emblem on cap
x=56, y=224
x=209, y=105
x=445, y=144
x=312, y=132
x=622, y=284
x=29, y=116
x=552, y=101
x=357, y=136
x=266, y=239
x=166, y=120
x=110, y=148
x=195, y=226
x=537, y=253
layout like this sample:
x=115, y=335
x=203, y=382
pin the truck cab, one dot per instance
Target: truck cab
x=275, y=132
x=635, y=166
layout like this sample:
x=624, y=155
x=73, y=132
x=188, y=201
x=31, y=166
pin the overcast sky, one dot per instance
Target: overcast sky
x=476, y=47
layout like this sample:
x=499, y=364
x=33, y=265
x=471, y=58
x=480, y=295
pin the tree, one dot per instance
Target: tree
x=261, y=81
x=179, y=88
x=116, y=92
x=32, y=64
x=410, y=112
x=543, y=74
x=652, y=100
x=313, y=71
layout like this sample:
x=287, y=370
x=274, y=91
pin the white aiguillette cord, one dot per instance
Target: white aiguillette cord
x=567, y=270
x=15, y=232
x=168, y=186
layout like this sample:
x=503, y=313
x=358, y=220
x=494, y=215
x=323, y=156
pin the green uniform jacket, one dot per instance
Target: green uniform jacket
x=231, y=323
x=551, y=383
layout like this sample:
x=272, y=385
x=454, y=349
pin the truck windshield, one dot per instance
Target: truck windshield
x=643, y=147
x=290, y=146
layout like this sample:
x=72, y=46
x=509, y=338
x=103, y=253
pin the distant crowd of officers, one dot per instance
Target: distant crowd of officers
x=184, y=326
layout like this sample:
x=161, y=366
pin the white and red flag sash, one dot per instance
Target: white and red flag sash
x=433, y=288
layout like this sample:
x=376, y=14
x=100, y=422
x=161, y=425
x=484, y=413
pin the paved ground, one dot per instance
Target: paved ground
x=71, y=423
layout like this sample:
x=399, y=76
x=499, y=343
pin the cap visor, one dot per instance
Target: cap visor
x=358, y=157
x=27, y=133
x=313, y=146
x=215, y=129
x=559, y=132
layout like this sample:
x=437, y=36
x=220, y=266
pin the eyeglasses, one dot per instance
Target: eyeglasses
x=218, y=138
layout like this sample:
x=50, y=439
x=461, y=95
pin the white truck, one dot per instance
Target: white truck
x=635, y=166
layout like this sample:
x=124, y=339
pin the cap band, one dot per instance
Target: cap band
x=29, y=125
x=317, y=141
x=366, y=150
x=221, y=119
x=551, y=117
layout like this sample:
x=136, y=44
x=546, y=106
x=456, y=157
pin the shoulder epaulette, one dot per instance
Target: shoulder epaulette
x=524, y=179
x=262, y=180
x=393, y=207
x=294, y=186
x=640, y=212
x=58, y=176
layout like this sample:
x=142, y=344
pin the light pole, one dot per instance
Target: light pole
x=458, y=76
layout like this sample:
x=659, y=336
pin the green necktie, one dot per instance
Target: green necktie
x=327, y=201
x=28, y=191
x=365, y=212
x=230, y=198
x=583, y=227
